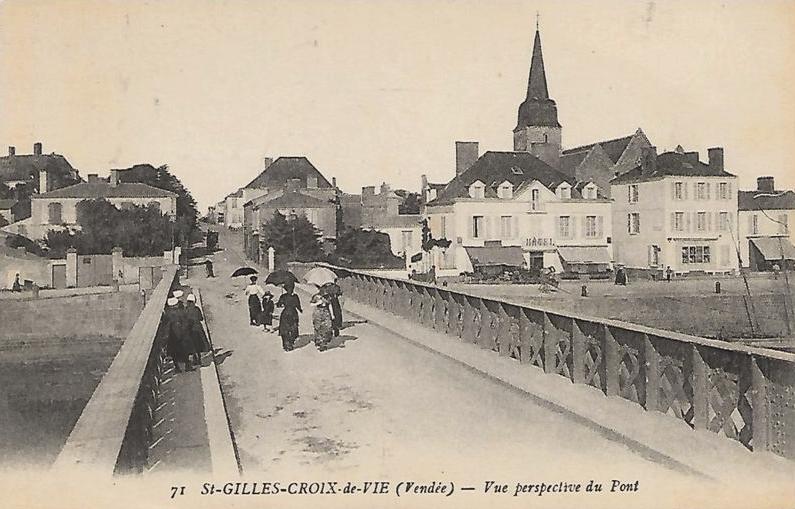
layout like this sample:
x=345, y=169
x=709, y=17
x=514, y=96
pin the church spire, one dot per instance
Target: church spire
x=537, y=82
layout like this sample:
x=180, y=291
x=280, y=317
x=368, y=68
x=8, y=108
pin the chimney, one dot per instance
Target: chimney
x=267, y=162
x=765, y=184
x=385, y=188
x=93, y=178
x=114, y=178
x=368, y=191
x=466, y=153
x=691, y=157
x=334, y=182
x=715, y=155
x=43, y=181
x=37, y=148
x=12, y=150
x=648, y=161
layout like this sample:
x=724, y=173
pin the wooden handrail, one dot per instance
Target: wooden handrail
x=97, y=438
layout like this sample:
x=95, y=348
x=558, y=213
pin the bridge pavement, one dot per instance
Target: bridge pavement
x=379, y=407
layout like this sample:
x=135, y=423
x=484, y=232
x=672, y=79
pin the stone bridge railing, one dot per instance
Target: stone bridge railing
x=114, y=431
x=744, y=393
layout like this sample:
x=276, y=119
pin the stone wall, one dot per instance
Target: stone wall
x=80, y=316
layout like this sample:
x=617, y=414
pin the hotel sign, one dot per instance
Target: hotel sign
x=539, y=242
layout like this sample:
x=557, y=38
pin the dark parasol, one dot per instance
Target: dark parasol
x=244, y=271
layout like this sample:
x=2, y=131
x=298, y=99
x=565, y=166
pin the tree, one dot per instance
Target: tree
x=138, y=231
x=364, y=249
x=186, y=228
x=410, y=203
x=294, y=238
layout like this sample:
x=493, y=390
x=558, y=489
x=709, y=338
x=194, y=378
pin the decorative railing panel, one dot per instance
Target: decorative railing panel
x=743, y=393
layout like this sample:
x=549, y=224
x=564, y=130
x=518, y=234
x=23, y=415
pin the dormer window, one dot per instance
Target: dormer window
x=589, y=192
x=505, y=191
x=516, y=170
x=477, y=190
x=564, y=191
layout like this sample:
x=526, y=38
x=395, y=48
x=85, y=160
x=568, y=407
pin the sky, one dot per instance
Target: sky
x=380, y=90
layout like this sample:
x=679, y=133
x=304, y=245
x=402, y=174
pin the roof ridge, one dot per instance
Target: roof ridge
x=591, y=145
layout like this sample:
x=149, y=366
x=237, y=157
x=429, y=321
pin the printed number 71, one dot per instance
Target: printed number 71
x=177, y=490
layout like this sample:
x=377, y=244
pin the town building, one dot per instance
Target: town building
x=519, y=208
x=381, y=212
x=291, y=186
x=25, y=169
x=509, y=200
x=675, y=211
x=602, y=161
x=57, y=209
x=764, y=219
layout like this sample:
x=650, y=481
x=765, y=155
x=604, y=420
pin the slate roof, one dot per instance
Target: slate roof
x=493, y=168
x=7, y=204
x=103, y=189
x=537, y=109
x=26, y=167
x=756, y=200
x=614, y=148
x=291, y=199
x=672, y=164
x=285, y=168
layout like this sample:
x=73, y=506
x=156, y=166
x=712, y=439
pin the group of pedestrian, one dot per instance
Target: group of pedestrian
x=184, y=333
x=326, y=315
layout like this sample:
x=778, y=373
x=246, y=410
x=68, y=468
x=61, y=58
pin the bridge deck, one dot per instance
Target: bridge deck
x=380, y=407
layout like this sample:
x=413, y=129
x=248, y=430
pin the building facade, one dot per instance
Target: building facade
x=58, y=209
x=766, y=219
x=675, y=211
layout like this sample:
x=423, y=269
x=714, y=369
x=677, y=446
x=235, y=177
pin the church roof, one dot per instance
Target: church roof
x=285, y=168
x=494, y=168
x=614, y=148
x=537, y=109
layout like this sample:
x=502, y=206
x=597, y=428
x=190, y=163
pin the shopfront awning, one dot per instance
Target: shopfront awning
x=496, y=255
x=772, y=248
x=584, y=254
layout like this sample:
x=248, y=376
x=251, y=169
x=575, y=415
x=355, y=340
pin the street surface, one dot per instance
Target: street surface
x=378, y=407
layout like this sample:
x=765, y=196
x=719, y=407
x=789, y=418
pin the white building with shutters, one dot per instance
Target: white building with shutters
x=676, y=211
x=514, y=199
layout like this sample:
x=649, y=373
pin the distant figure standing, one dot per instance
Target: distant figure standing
x=16, y=286
x=669, y=272
x=621, y=276
x=195, y=329
x=332, y=292
x=177, y=340
x=254, y=292
x=776, y=269
x=321, y=320
x=288, y=321
x=267, y=311
x=209, y=266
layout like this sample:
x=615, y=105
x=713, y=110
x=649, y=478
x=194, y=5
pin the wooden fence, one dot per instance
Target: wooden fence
x=744, y=393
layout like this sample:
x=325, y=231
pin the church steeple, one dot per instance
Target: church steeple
x=537, y=82
x=537, y=128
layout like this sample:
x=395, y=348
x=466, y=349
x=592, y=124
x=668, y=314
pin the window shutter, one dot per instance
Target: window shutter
x=584, y=231
x=688, y=215
x=685, y=186
x=572, y=227
x=673, y=190
x=600, y=226
x=515, y=227
x=649, y=254
x=708, y=191
x=629, y=223
x=673, y=221
x=729, y=190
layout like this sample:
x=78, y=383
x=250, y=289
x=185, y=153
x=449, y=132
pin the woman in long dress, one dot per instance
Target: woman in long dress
x=332, y=292
x=321, y=320
x=288, y=321
x=199, y=339
x=253, y=292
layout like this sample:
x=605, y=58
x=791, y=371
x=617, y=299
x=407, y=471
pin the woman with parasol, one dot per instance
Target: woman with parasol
x=254, y=292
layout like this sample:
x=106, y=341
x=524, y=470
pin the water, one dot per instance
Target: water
x=43, y=390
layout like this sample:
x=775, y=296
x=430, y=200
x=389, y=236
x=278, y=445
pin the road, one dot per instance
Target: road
x=380, y=407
